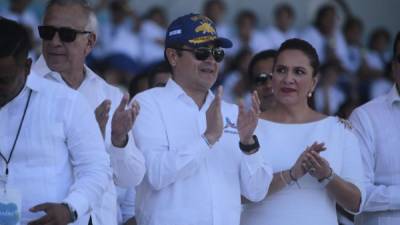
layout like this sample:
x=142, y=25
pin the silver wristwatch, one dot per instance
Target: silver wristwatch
x=326, y=180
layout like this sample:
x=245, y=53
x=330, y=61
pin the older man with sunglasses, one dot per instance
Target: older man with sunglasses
x=53, y=164
x=201, y=154
x=69, y=34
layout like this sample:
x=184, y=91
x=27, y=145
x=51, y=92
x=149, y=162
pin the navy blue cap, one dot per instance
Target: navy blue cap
x=194, y=30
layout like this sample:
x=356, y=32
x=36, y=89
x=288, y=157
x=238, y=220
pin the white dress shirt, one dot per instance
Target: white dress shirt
x=320, y=43
x=335, y=98
x=149, y=33
x=277, y=37
x=128, y=162
x=187, y=183
x=310, y=203
x=60, y=155
x=258, y=42
x=377, y=125
x=118, y=39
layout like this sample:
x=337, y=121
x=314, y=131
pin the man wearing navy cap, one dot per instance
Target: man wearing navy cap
x=201, y=154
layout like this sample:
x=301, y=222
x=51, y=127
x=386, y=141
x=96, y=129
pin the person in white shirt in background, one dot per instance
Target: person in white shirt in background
x=353, y=54
x=64, y=53
x=325, y=36
x=51, y=148
x=246, y=34
x=118, y=34
x=282, y=30
x=374, y=76
x=196, y=171
x=151, y=35
x=237, y=83
x=215, y=10
x=377, y=126
x=328, y=97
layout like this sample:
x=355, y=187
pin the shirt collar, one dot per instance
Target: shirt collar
x=41, y=69
x=177, y=92
x=393, y=96
x=34, y=82
x=174, y=88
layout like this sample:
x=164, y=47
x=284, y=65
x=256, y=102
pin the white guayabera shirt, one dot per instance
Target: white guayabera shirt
x=377, y=126
x=127, y=163
x=186, y=181
x=59, y=155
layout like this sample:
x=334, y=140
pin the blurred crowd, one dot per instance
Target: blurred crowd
x=129, y=52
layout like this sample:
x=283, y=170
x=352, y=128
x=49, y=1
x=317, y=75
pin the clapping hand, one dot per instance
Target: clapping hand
x=122, y=121
x=101, y=113
x=215, y=123
x=301, y=167
x=319, y=167
x=247, y=120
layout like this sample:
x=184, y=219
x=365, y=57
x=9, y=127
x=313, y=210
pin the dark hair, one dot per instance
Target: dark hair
x=303, y=46
x=209, y=3
x=396, y=42
x=376, y=33
x=263, y=55
x=321, y=13
x=352, y=22
x=282, y=8
x=154, y=11
x=178, y=52
x=14, y=41
x=246, y=14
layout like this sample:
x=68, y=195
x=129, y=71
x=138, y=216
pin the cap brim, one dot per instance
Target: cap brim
x=223, y=42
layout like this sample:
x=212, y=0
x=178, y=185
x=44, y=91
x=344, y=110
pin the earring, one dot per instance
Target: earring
x=309, y=94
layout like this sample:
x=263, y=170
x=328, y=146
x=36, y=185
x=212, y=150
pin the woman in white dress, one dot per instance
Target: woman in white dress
x=316, y=158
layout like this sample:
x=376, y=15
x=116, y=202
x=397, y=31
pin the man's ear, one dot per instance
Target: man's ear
x=172, y=56
x=92, y=38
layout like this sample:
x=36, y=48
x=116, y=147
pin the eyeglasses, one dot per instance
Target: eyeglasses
x=262, y=78
x=203, y=53
x=66, y=34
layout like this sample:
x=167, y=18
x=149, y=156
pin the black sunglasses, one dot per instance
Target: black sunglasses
x=66, y=34
x=203, y=53
x=262, y=78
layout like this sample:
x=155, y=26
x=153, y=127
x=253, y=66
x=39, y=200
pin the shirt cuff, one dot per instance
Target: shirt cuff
x=79, y=203
x=254, y=161
x=119, y=153
x=127, y=164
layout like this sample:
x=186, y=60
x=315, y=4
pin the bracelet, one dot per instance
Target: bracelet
x=250, y=149
x=283, y=178
x=326, y=180
x=294, y=179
